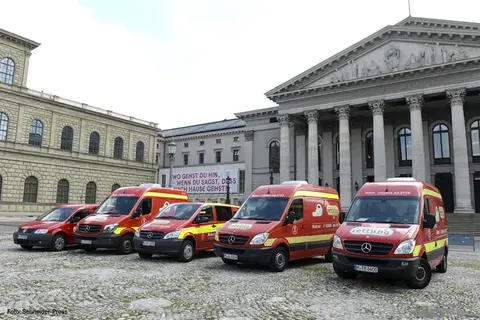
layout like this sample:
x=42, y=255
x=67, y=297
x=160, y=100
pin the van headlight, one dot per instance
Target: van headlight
x=109, y=228
x=137, y=234
x=406, y=247
x=172, y=235
x=260, y=238
x=337, y=242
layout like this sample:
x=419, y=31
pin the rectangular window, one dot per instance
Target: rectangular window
x=241, y=182
x=236, y=139
x=219, y=141
x=297, y=207
x=202, y=143
x=201, y=157
x=164, y=180
x=218, y=156
x=156, y=159
x=185, y=159
x=185, y=145
x=236, y=155
x=223, y=213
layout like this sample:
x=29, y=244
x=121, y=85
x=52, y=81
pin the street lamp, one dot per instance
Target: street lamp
x=271, y=176
x=356, y=186
x=227, y=200
x=172, y=147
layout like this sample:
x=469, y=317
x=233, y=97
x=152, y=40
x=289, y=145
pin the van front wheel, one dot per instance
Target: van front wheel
x=187, y=252
x=279, y=260
x=126, y=245
x=421, y=277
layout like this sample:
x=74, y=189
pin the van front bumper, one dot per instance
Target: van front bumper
x=43, y=240
x=402, y=268
x=104, y=241
x=160, y=246
x=260, y=256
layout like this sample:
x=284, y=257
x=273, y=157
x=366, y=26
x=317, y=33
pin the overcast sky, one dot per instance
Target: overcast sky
x=182, y=62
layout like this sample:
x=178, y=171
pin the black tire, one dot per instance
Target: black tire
x=144, y=255
x=58, y=242
x=421, y=277
x=187, y=252
x=442, y=267
x=279, y=260
x=126, y=245
x=344, y=274
x=26, y=247
x=229, y=262
x=90, y=249
x=329, y=255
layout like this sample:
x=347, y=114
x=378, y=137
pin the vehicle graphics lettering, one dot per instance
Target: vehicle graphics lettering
x=240, y=226
x=161, y=221
x=97, y=218
x=332, y=210
x=318, y=211
x=382, y=232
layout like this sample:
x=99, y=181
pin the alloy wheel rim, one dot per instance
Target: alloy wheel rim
x=421, y=274
x=127, y=245
x=280, y=260
x=187, y=251
x=59, y=243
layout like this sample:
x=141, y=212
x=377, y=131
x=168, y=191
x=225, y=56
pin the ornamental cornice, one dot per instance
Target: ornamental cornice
x=312, y=116
x=456, y=96
x=415, y=102
x=343, y=112
x=377, y=107
x=204, y=135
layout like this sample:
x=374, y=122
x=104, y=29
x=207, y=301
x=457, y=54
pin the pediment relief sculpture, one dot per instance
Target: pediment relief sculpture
x=397, y=59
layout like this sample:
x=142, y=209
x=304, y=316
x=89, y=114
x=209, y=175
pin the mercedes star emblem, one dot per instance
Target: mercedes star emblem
x=366, y=247
x=149, y=235
x=87, y=228
x=231, y=239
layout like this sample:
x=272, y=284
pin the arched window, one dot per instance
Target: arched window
x=441, y=144
x=369, y=150
x=91, y=193
x=139, y=151
x=337, y=152
x=274, y=156
x=7, y=70
x=475, y=137
x=1, y=185
x=118, y=148
x=36, y=133
x=94, y=143
x=66, y=142
x=3, y=126
x=115, y=186
x=404, y=147
x=30, y=190
x=62, y=191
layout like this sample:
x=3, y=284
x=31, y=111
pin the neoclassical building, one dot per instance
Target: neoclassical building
x=402, y=102
x=54, y=150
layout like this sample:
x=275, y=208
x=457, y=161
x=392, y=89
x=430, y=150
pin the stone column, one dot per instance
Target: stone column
x=463, y=200
x=312, y=118
x=284, y=120
x=379, y=155
x=248, y=162
x=416, y=126
x=345, y=158
x=300, y=153
x=327, y=157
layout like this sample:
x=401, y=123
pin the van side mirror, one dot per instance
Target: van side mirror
x=290, y=217
x=202, y=219
x=429, y=221
x=76, y=219
x=341, y=217
x=138, y=212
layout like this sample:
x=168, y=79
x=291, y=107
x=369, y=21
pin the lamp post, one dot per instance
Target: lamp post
x=271, y=176
x=227, y=200
x=172, y=148
x=356, y=186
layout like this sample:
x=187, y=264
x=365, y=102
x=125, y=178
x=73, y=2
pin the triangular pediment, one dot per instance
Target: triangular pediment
x=413, y=43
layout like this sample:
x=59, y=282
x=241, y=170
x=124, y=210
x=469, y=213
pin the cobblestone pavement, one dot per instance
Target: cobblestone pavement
x=103, y=285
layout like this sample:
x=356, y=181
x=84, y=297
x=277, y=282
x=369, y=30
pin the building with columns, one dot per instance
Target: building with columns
x=402, y=102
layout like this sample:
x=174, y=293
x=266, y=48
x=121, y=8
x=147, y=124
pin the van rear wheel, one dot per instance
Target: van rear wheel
x=421, y=277
x=442, y=267
x=329, y=255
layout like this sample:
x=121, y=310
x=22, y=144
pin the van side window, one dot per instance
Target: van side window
x=82, y=214
x=223, y=213
x=146, y=206
x=426, y=206
x=207, y=211
x=297, y=207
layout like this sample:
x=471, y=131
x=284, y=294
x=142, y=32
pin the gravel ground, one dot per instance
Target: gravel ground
x=103, y=285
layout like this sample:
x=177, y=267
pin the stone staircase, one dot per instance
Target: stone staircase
x=464, y=223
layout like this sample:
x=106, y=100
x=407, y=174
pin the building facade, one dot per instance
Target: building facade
x=401, y=102
x=55, y=151
x=205, y=155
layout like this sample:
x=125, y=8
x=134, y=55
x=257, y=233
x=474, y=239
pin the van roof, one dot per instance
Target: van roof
x=399, y=187
x=295, y=190
x=138, y=191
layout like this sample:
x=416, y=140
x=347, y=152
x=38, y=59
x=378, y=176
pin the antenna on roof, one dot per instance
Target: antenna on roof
x=409, y=11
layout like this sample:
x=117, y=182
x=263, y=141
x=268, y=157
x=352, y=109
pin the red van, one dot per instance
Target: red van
x=53, y=229
x=396, y=228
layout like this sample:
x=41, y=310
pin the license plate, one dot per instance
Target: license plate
x=230, y=256
x=86, y=241
x=366, y=269
x=148, y=243
x=22, y=236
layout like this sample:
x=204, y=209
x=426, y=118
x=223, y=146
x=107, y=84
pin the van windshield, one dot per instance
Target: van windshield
x=56, y=214
x=178, y=211
x=262, y=208
x=405, y=210
x=117, y=205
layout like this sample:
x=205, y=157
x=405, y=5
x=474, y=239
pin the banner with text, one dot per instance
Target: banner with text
x=206, y=181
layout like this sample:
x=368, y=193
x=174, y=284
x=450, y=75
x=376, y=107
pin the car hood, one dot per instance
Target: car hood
x=103, y=219
x=247, y=227
x=384, y=232
x=163, y=225
x=40, y=224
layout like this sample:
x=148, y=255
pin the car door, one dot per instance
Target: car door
x=222, y=215
x=141, y=214
x=205, y=228
x=298, y=231
x=72, y=222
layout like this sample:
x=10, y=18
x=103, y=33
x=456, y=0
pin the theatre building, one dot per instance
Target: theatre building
x=402, y=102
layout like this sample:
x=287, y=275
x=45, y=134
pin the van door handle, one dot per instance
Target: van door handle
x=302, y=227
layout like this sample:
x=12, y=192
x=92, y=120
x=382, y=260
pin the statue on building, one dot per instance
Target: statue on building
x=412, y=62
x=352, y=70
x=458, y=54
x=337, y=76
x=392, y=59
x=427, y=55
x=373, y=69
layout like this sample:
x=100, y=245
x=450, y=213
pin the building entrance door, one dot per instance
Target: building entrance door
x=476, y=190
x=444, y=183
